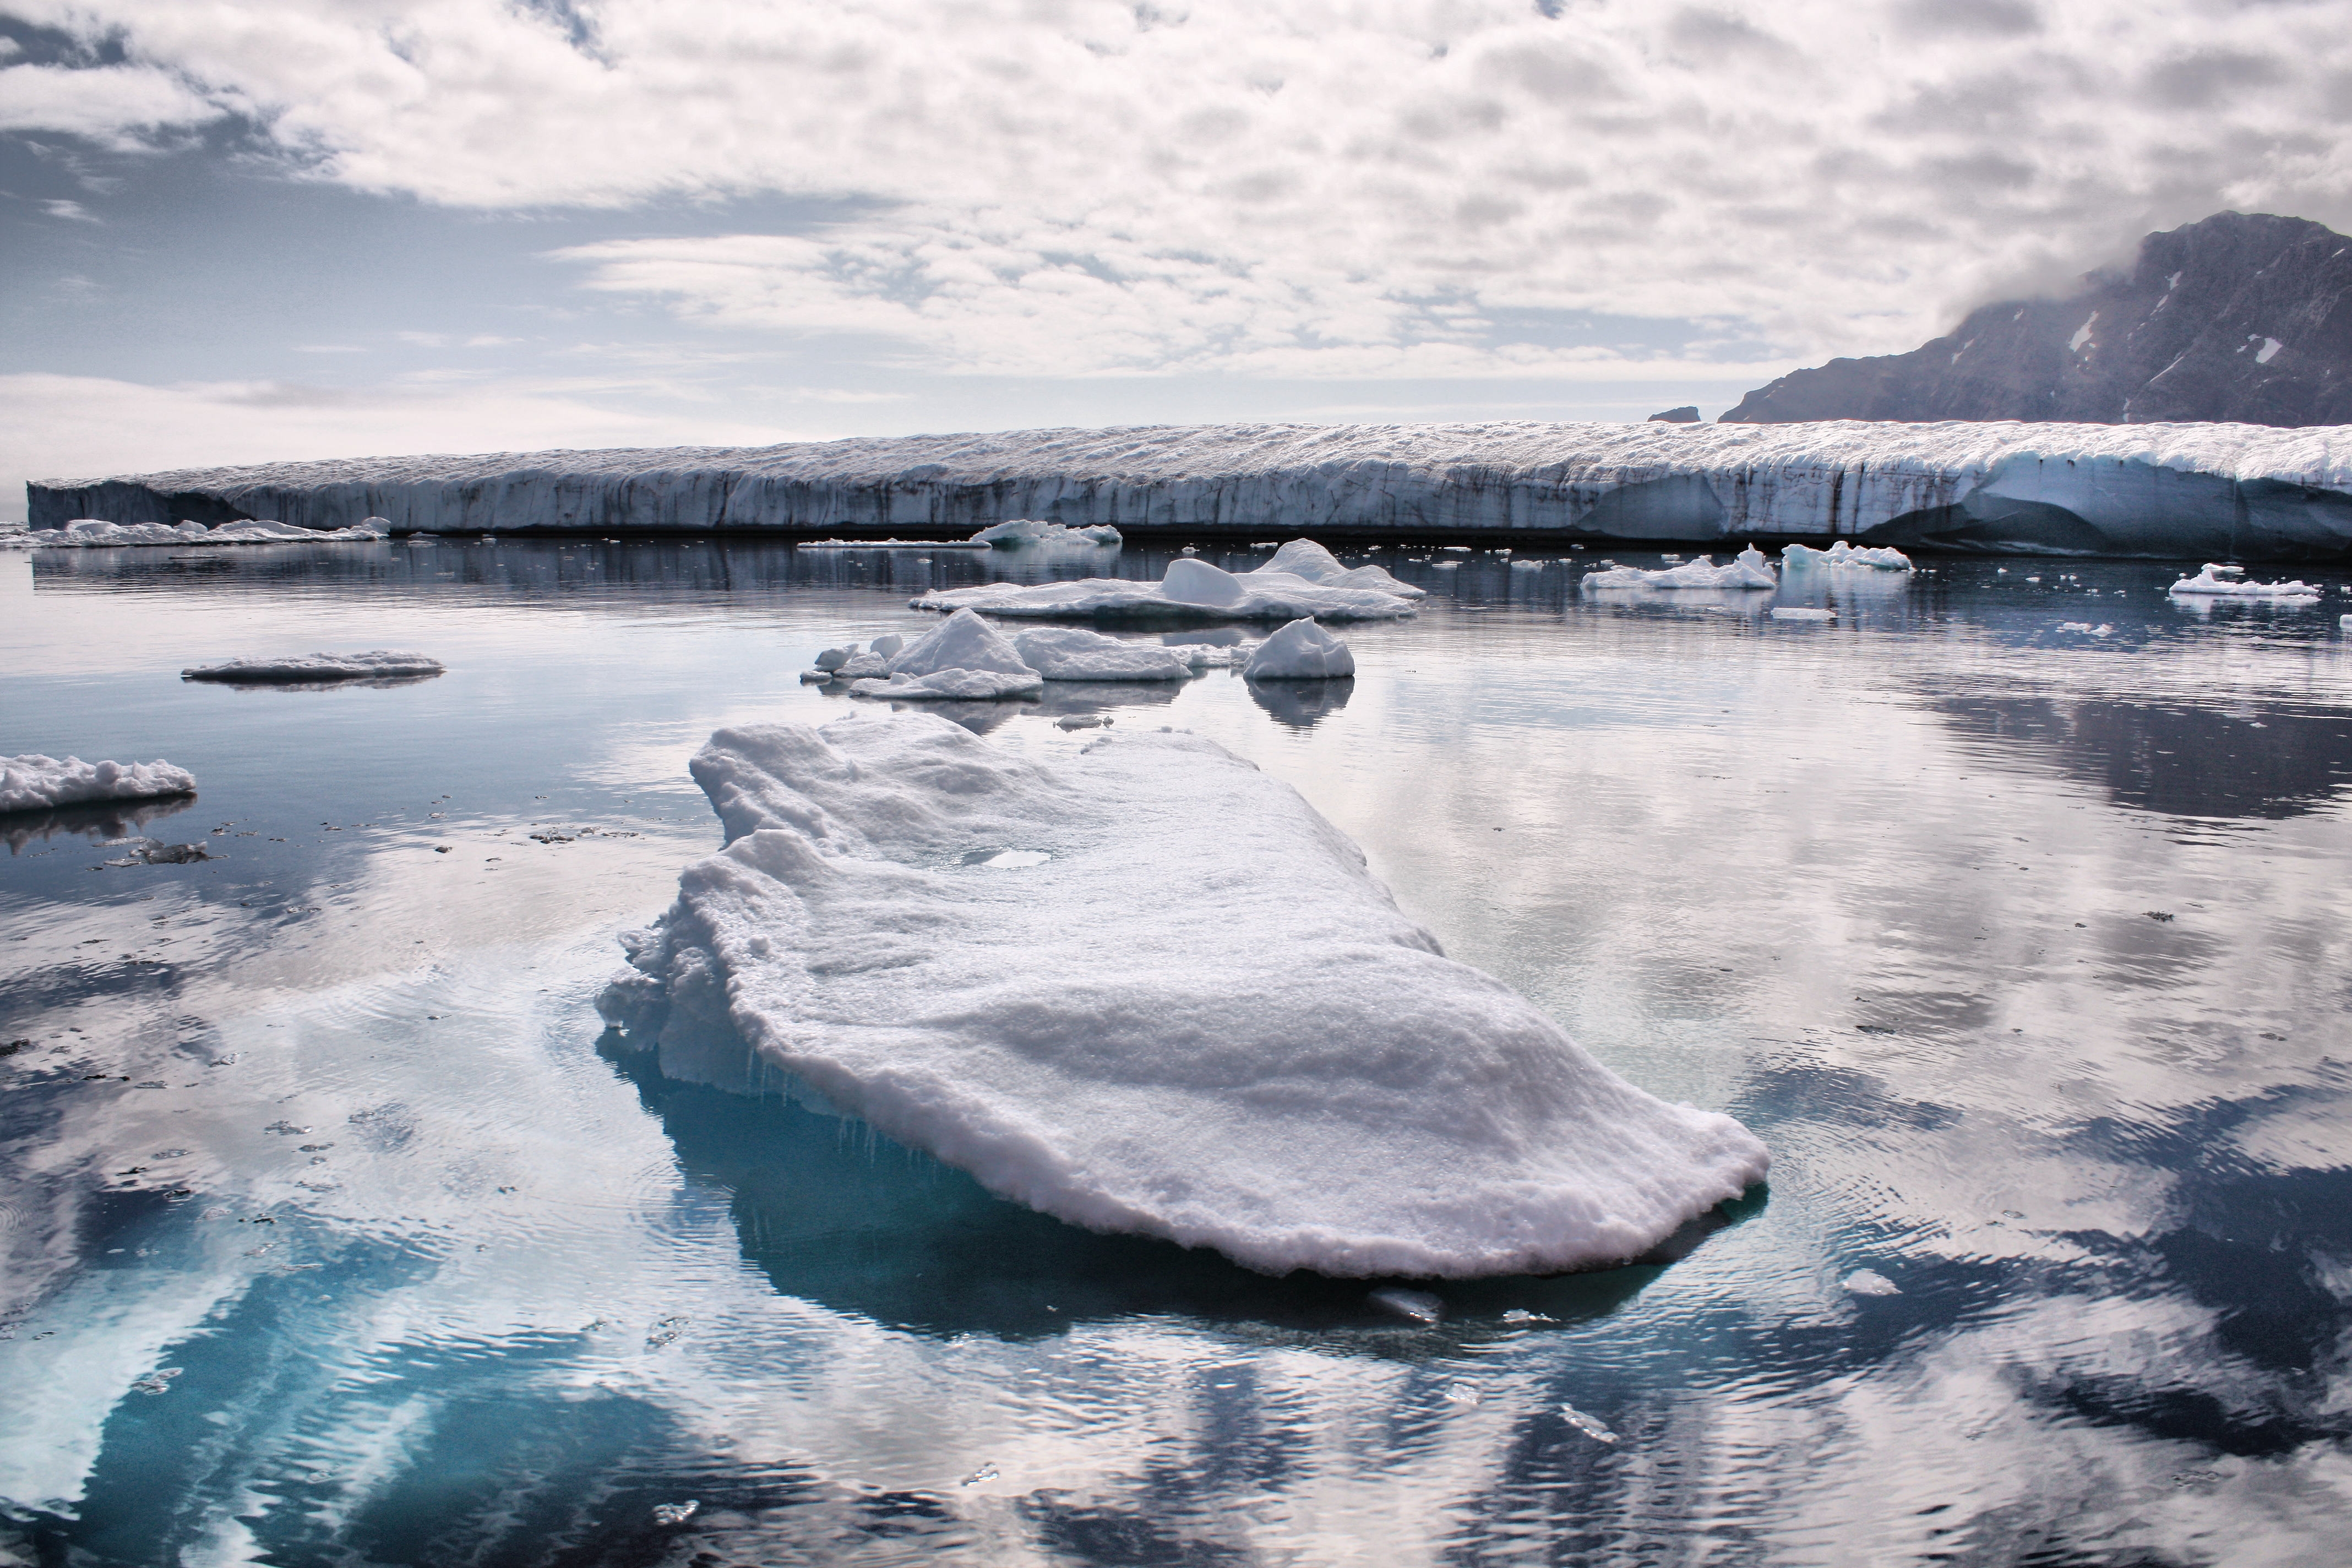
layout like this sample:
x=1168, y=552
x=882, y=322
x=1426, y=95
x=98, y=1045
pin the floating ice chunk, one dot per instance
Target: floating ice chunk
x=1591, y=1426
x=93, y=533
x=1300, y=651
x=2345, y=621
x=963, y=658
x=1795, y=612
x=154, y=852
x=1304, y=558
x=1871, y=1282
x=1749, y=569
x=1419, y=1305
x=675, y=1513
x=1460, y=1392
x=1069, y=653
x=1261, y=1097
x=1843, y=554
x=1527, y=566
x=37, y=783
x=1080, y=721
x=1520, y=1315
x=834, y=658
x=890, y=544
x=2086, y=628
x=158, y=1382
x=420, y=542
x=374, y=664
x=949, y=684
x=2216, y=580
x=1029, y=531
x=1193, y=589
x=866, y=666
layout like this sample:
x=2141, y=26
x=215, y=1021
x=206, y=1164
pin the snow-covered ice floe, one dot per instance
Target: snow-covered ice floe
x=1842, y=556
x=2241, y=491
x=1798, y=612
x=378, y=664
x=1749, y=569
x=1300, y=651
x=2221, y=581
x=963, y=658
x=1316, y=1085
x=37, y=783
x=1189, y=590
x=1304, y=558
x=89, y=534
x=1020, y=530
x=1072, y=653
x=892, y=668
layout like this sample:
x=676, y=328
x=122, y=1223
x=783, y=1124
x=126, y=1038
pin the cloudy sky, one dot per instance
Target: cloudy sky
x=238, y=230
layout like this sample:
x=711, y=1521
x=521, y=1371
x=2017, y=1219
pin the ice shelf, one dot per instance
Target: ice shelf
x=970, y=950
x=2238, y=492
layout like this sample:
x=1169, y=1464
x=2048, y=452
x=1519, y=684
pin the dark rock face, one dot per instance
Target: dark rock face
x=1686, y=415
x=2241, y=316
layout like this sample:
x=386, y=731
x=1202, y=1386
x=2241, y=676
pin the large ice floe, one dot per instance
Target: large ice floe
x=1300, y=651
x=2222, y=582
x=2229, y=491
x=1749, y=569
x=91, y=533
x=38, y=782
x=320, y=668
x=1147, y=988
x=1842, y=556
x=1189, y=590
x=963, y=658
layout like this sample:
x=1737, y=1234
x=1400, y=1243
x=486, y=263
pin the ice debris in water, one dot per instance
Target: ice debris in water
x=2218, y=581
x=675, y=1513
x=1300, y=651
x=1419, y=1305
x=985, y=1473
x=374, y=664
x=1029, y=531
x=1843, y=554
x=1521, y=1315
x=1592, y=1426
x=1460, y=1394
x=1871, y=1282
x=155, y=852
x=2086, y=628
x=1193, y=589
x=1259, y=1099
x=91, y=532
x=1749, y=569
x=157, y=1382
x=1081, y=721
x=964, y=657
x=37, y=782
x=834, y=658
x=1796, y=613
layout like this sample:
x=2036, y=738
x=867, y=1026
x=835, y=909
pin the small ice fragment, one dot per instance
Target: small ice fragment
x=1418, y=1305
x=833, y=658
x=1527, y=565
x=664, y=1332
x=1521, y=1315
x=1016, y=857
x=985, y=1473
x=1871, y=1282
x=1791, y=612
x=1674, y=558
x=1300, y=651
x=285, y=1129
x=675, y=1513
x=1590, y=1427
x=1080, y=721
x=1460, y=1394
x=815, y=676
x=157, y=1382
x=2344, y=621
x=2086, y=628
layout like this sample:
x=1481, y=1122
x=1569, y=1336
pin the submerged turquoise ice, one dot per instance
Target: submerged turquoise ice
x=334, y=1231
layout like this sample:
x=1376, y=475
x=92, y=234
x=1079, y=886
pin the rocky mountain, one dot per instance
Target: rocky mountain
x=2241, y=316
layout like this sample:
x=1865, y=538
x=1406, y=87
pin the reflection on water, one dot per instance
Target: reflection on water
x=106, y=819
x=333, y=1234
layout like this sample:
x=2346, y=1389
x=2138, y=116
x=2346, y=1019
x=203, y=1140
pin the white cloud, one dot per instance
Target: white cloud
x=114, y=105
x=1293, y=186
x=72, y=211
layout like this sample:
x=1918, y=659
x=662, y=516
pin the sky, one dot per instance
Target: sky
x=238, y=231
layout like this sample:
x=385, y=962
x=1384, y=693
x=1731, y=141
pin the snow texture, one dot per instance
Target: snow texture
x=1070, y=652
x=1300, y=651
x=963, y=657
x=1314, y=1085
x=1748, y=570
x=1842, y=555
x=2247, y=492
x=1190, y=590
x=37, y=783
x=90, y=533
x=377, y=664
x=2220, y=582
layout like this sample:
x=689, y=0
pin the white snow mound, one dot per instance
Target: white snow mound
x=1300, y=651
x=1844, y=555
x=37, y=783
x=375, y=664
x=1029, y=531
x=2216, y=580
x=962, y=658
x=91, y=533
x=1071, y=653
x=1749, y=569
x=1304, y=558
x=1311, y=1084
x=1190, y=590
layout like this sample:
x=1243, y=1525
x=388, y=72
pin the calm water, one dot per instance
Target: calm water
x=335, y=1232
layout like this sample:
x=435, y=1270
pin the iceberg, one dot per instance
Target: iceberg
x=1030, y=530
x=1070, y=652
x=378, y=664
x=963, y=658
x=1749, y=569
x=1842, y=554
x=90, y=533
x=1300, y=651
x=1190, y=590
x=2225, y=490
x=1304, y=558
x=2221, y=581
x=1314, y=1085
x=38, y=782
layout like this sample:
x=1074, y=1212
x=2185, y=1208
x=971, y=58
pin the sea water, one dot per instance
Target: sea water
x=336, y=1231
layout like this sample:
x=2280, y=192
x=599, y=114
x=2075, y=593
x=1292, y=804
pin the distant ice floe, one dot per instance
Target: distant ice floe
x=2221, y=581
x=378, y=664
x=1842, y=555
x=1191, y=589
x=1300, y=651
x=892, y=668
x=2086, y=628
x=1019, y=531
x=1870, y=1282
x=1749, y=569
x=1315, y=1086
x=1797, y=613
x=89, y=534
x=38, y=782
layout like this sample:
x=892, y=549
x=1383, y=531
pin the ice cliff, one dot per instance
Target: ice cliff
x=1147, y=988
x=2226, y=491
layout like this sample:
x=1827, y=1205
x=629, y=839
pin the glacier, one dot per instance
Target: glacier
x=37, y=783
x=2224, y=491
x=95, y=533
x=970, y=950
